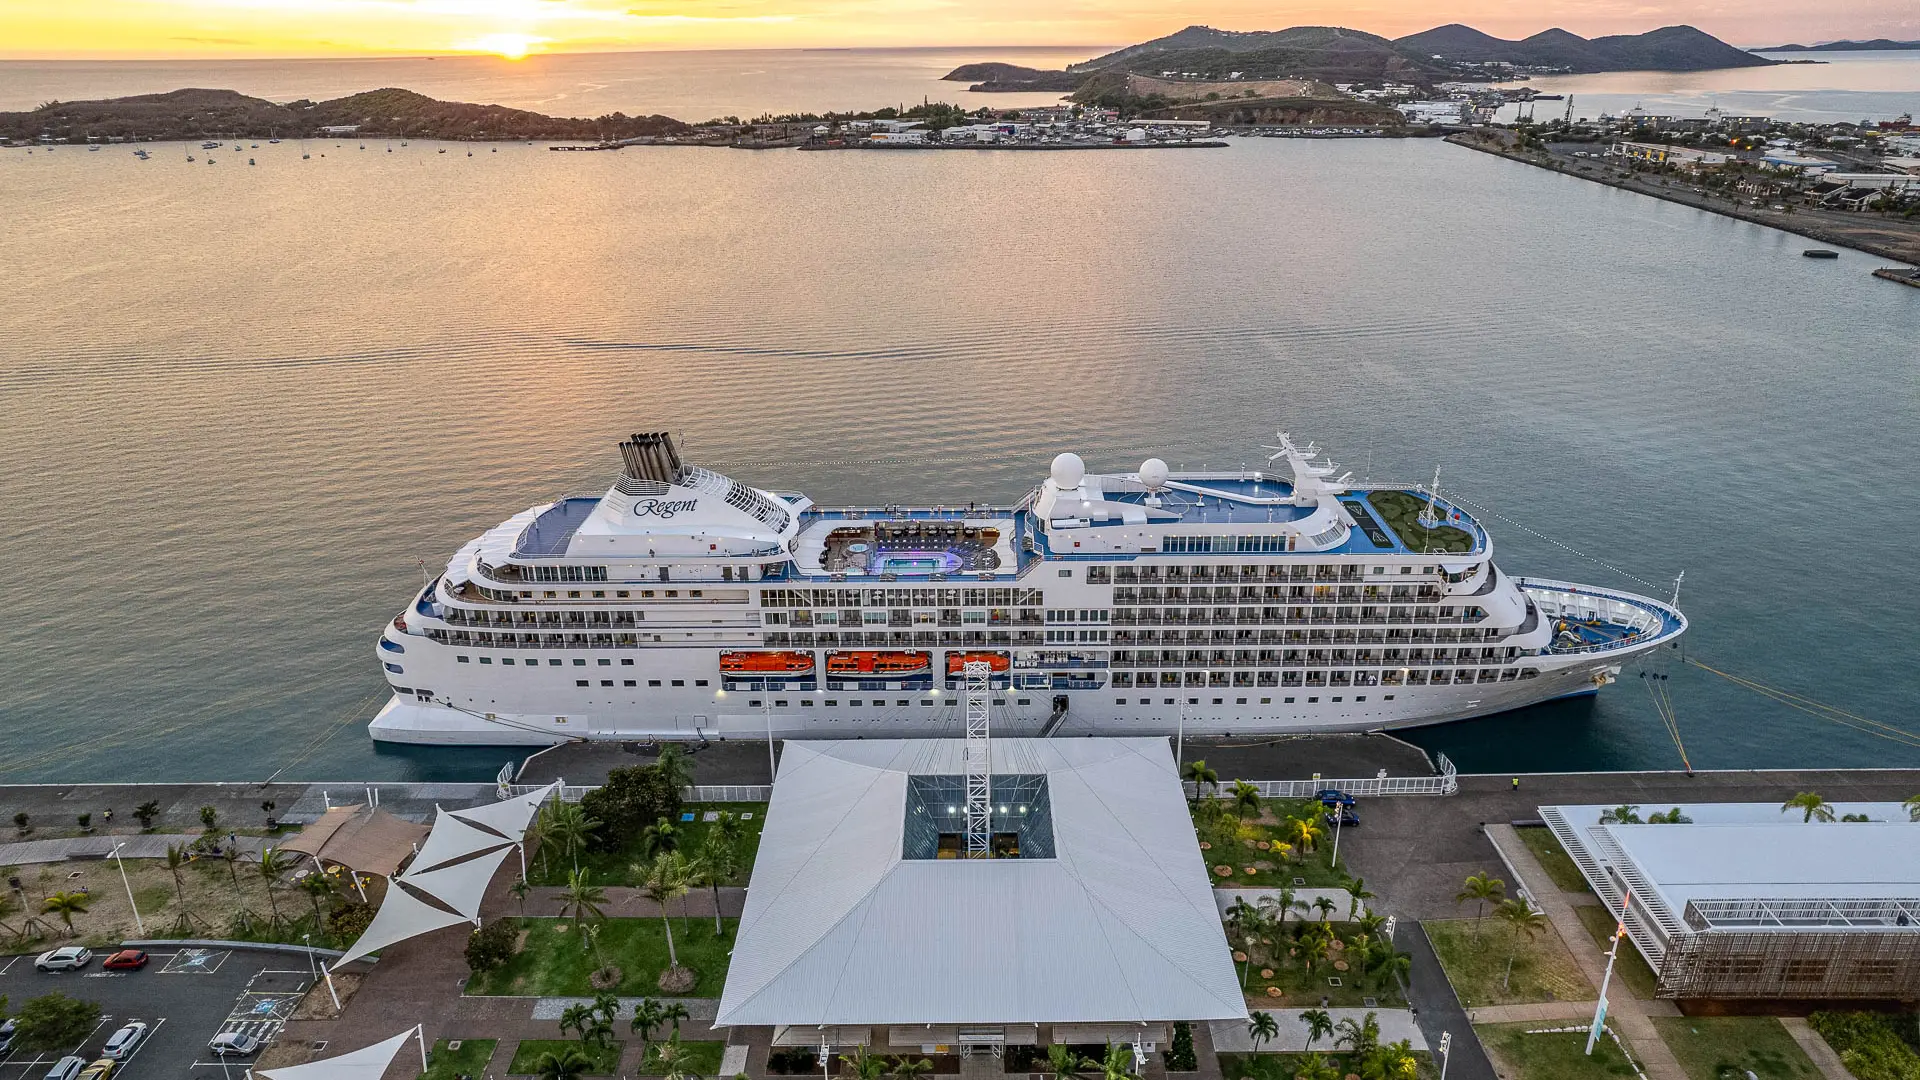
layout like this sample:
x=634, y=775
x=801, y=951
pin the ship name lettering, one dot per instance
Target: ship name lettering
x=663, y=508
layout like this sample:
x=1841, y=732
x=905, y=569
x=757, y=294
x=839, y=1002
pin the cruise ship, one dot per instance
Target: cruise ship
x=682, y=604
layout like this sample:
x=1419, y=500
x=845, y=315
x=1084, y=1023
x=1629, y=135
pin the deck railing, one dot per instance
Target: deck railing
x=1447, y=782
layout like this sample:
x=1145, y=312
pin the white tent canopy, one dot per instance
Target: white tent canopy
x=509, y=817
x=400, y=917
x=366, y=1064
x=459, y=885
x=451, y=839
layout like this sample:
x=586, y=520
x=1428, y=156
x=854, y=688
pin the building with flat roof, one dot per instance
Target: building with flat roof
x=1663, y=154
x=1745, y=901
x=866, y=924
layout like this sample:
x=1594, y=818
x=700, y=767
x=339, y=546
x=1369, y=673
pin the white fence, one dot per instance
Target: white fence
x=1446, y=783
x=699, y=793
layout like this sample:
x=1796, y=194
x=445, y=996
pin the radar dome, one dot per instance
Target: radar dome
x=1068, y=471
x=1153, y=473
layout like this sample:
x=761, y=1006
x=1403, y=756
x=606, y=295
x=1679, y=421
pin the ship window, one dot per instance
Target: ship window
x=626, y=661
x=630, y=682
x=622, y=593
x=1389, y=697
x=1266, y=701
x=1313, y=701
x=901, y=702
x=463, y=659
x=806, y=704
x=1025, y=701
x=699, y=682
x=553, y=663
x=832, y=702
x=573, y=594
x=604, y=662
x=1119, y=701
x=926, y=703
x=1239, y=701
x=507, y=660
x=1360, y=697
x=1289, y=701
x=1067, y=572
x=579, y=662
x=855, y=703
x=1193, y=701
x=1339, y=699
x=549, y=594
x=673, y=592
x=779, y=703
x=600, y=594
x=484, y=660
x=653, y=682
x=606, y=682
x=1406, y=570
x=694, y=592
x=579, y=682
x=395, y=668
x=753, y=704
x=1216, y=701
x=679, y=682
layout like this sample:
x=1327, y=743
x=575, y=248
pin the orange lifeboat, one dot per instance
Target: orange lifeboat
x=878, y=663
x=766, y=663
x=997, y=663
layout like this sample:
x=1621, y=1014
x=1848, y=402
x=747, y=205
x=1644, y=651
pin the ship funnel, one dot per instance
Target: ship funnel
x=651, y=457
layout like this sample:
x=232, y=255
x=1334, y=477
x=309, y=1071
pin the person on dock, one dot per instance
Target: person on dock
x=1516, y=784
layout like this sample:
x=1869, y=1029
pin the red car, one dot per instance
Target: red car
x=126, y=960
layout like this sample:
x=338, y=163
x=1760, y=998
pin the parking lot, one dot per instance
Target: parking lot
x=186, y=996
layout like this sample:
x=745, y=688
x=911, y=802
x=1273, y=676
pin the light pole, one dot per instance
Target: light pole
x=1446, y=1046
x=773, y=765
x=1339, y=817
x=1179, y=738
x=324, y=973
x=1600, y=1007
x=123, y=880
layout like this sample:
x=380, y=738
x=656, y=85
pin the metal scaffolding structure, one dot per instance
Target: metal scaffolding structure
x=979, y=758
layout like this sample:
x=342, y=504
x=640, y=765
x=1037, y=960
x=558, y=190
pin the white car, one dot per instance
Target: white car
x=69, y=958
x=120, y=1044
x=233, y=1044
x=66, y=1068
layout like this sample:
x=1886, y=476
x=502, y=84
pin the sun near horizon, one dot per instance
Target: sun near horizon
x=516, y=29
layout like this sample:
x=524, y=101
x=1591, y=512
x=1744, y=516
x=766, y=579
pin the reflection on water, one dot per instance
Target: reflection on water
x=245, y=405
x=1843, y=86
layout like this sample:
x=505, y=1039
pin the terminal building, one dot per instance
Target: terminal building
x=1745, y=902
x=1076, y=910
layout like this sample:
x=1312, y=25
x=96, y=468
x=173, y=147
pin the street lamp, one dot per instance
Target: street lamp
x=123, y=880
x=773, y=764
x=1446, y=1046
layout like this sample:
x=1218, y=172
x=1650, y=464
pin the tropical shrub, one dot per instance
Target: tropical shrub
x=1870, y=1044
x=1179, y=1054
x=631, y=799
x=492, y=946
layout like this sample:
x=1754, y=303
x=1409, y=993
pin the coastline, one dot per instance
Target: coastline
x=1907, y=252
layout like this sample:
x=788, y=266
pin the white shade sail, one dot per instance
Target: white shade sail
x=460, y=885
x=508, y=817
x=401, y=916
x=366, y=1064
x=450, y=840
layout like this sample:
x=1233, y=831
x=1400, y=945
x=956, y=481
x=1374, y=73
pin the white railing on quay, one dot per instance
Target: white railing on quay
x=1447, y=782
x=697, y=793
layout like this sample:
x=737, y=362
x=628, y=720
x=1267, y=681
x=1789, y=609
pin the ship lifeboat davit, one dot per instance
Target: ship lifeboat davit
x=878, y=663
x=997, y=663
x=766, y=663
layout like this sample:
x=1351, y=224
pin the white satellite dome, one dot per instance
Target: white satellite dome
x=1153, y=473
x=1068, y=471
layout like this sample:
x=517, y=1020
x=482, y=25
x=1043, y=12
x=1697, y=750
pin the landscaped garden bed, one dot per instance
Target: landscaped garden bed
x=614, y=865
x=697, y=1058
x=604, y=1058
x=1475, y=954
x=550, y=961
x=1288, y=1066
x=1263, y=845
x=1717, y=1047
x=470, y=1059
x=1874, y=1046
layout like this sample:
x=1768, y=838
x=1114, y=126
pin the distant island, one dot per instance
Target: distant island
x=1333, y=53
x=1874, y=45
x=197, y=114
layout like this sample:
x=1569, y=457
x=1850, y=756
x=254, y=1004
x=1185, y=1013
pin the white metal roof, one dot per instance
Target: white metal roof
x=840, y=929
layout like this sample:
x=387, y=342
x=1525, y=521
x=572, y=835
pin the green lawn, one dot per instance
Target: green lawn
x=1727, y=1047
x=702, y=1059
x=1543, y=969
x=471, y=1059
x=605, y=1058
x=550, y=866
x=1518, y=1055
x=552, y=963
x=1235, y=844
x=1554, y=858
x=1282, y=1066
x=1401, y=511
x=1631, y=968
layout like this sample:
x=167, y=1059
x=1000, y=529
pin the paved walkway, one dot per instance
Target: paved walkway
x=132, y=846
x=1816, y=1047
x=1626, y=1013
x=1437, y=1009
x=1232, y=1037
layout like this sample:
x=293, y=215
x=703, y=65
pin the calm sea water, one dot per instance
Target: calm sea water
x=691, y=86
x=1852, y=86
x=242, y=404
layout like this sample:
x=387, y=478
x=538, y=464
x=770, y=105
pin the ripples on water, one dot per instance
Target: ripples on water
x=242, y=404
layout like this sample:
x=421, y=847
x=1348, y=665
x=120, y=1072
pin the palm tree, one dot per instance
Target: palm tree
x=569, y=1064
x=1063, y=1063
x=1393, y=1061
x=66, y=905
x=1314, y=945
x=907, y=1068
x=863, y=1066
x=1319, y=1025
x=1357, y=896
x=646, y=1016
x=1481, y=889
x=672, y=1013
x=1399, y=966
x=673, y=1060
x=1201, y=777
x=583, y=1020
x=1277, y=905
x=1303, y=833
x=317, y=886
x=662, y=880
x=177, y=858
x=1913, y=808
x=1811, y=806
x=1246, y=799
x=520, y=889
x=1324, y=905
x=1670, y=817
x=658, y=837
x=1521, y=918
x=717, y=864
x=1359, y=1036
x=1315, y=1066
x=1244, y=920
x=569, y=826
x=1262, y=1027
x=1118, y=1064
x=674, y=768
x=582, y=901
x=273, y=863
x=1621, y=815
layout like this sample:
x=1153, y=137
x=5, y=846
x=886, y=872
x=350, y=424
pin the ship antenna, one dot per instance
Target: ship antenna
x=423, y=572
x=1431, y=515
x=1675, y=602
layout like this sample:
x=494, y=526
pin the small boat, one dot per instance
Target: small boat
x=1820, y=253
x=766, y=663
x=443, y=149
x=93, y=149
x=997, y=663
x=881, y=663
x=306, y=157
x=249, y=161
x=189, y=157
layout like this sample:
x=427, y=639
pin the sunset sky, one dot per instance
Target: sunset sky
x=179, y=28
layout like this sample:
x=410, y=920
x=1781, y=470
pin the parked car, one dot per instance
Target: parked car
x=126, y=960
x=7, y=1030
x=67, y=958
x=67, y=1068
x=1344, y=816
x=233, y=1044
x=121, y=1044
x=99, y=1070
x=1332, y=796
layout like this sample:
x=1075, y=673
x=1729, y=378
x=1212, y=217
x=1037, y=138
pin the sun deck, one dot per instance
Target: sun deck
x=905, y=543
